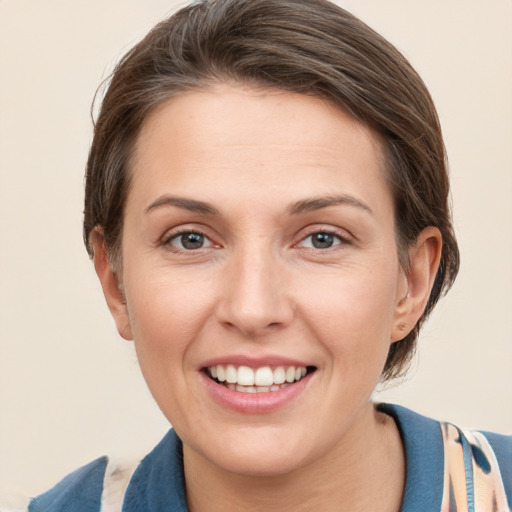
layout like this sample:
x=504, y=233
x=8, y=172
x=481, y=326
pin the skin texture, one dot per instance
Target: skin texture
x=258, y=288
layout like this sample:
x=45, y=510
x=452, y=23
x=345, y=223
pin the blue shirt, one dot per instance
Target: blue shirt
x=158, y=484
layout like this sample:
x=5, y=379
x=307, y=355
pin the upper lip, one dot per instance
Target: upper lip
x=254, y=362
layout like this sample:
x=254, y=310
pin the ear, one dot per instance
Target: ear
x=417, y=281
x=111, y=284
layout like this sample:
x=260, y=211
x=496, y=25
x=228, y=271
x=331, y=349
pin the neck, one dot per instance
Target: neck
x=365, y=471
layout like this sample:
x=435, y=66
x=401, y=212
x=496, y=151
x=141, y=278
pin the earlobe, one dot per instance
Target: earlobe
x=418, y=280
x=111, y=284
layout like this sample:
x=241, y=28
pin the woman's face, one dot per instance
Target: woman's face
x=259, y=235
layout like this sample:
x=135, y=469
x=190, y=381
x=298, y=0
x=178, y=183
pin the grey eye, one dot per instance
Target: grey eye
x=190, y=241
x=321, y=240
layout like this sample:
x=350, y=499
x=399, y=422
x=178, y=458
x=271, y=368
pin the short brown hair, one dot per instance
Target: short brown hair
x=305, y=46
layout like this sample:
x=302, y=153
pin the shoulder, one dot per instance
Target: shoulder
x=478, y=468
x=502, y=448
x=456, y=468
x=105, y=485
x=98, y=486
x=80, y=491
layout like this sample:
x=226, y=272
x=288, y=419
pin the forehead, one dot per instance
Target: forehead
x=249, y=137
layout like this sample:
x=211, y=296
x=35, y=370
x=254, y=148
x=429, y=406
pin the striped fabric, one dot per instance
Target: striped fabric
x=472, y=478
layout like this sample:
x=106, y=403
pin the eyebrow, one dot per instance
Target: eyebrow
x=303, y=206
x=317, y=203
x=191, y=205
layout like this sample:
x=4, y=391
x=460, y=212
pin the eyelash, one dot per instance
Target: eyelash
x=337, y=237
x=167, y=241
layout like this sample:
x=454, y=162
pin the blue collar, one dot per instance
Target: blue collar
x=424, y=454
x=159, y=483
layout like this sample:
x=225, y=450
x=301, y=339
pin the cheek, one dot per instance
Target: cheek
x=166, y=310
x=167, y=315
x=351, y=311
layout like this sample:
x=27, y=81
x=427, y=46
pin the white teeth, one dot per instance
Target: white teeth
x=246, y=389
x=264, y=376
x=245, y=376
x=231, y=374
x=290, y=374
x=279, y=375
x=260, y=380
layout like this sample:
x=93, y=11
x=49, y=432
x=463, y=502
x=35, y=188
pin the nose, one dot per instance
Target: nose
x=255, y=298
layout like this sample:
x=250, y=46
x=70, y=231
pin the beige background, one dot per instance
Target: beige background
x=70, y=388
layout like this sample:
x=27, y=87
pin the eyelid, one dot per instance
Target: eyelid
x=342, y=235
x=176, y=232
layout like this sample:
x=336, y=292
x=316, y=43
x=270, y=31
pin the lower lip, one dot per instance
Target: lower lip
x=254, y=403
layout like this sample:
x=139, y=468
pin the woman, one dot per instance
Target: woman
x=267, y=210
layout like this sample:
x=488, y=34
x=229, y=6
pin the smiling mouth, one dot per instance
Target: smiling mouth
x=263, y=379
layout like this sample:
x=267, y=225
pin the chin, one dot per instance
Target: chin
x=262, y=464
x=256, y=452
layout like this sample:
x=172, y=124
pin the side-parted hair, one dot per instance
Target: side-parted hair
x=308, y=47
